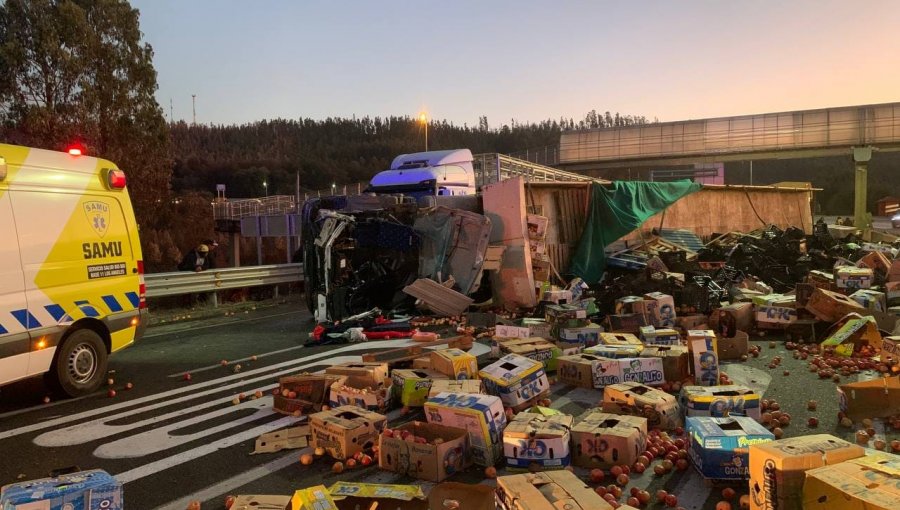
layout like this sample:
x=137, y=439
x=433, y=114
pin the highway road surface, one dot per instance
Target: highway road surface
x=172, y=441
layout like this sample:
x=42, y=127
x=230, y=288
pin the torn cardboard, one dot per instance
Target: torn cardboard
x=285, y=439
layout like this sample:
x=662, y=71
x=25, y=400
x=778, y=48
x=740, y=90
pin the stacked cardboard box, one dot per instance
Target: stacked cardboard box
x=482, y=416
x=532, y=439
x=601, y=440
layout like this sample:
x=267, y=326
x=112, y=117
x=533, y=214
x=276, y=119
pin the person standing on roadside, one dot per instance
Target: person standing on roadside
x=196, y=260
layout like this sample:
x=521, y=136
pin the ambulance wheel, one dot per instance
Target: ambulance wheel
x=80, y=364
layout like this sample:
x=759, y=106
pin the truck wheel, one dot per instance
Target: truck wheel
x=80, y=364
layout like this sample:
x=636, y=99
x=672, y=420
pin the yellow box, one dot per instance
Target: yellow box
x=866, y=483
x=455, y=364
x=778, y=468
x=313, y=498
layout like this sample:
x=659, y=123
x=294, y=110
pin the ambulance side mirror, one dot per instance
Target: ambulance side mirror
x=2, y=168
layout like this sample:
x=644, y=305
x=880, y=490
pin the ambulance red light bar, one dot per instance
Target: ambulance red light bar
x=74, y=151
x=115, y=179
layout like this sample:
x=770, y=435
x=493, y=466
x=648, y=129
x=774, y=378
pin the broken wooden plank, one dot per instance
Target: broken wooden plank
x=438, y=298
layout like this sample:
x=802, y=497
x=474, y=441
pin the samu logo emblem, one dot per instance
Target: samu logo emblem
x=97, y=214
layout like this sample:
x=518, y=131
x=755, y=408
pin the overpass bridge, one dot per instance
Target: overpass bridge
x=848, y=130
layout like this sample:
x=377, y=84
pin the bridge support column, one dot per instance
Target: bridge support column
x=861, y=157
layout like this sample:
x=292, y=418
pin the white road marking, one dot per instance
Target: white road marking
x=229, y=485
x=162, y=438
x=194, y=453
x=191, y=329
x=232, y=362
x=193, y=388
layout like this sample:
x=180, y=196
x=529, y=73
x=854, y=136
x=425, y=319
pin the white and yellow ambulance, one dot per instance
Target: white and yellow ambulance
x=71, y=271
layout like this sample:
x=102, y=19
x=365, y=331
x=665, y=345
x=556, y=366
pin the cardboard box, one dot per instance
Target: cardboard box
x=627, y=304
x=284, y=439
x=735, y=317
x=719, y=401
x=422, y=363
x=563, y=313
x=665, y=336
x=689, y=322
x=866, y=483
x=361, y=374
x=455, y=364
x=627, y=323
x=830, y=306
x=735, y=347
x=660, y=408
x=84, y=490
x=778, y=468
x=537, y=349
x=502, y=331
x=853, y=334
x=568, y=349
x=537, y=226
x=371, y=398
x=537, y=327
x=266, y=502
x=588, y=336
x=615, y=351
x=551, y=490
x=557, y=296
x=578, y=370
x=662, y=314
x=719, y=446
x=703, y=347
x=877, y=398
x=644, y=370
x=535, y=440
x=482, y=416
x=316, y=497
x=345, y=430
x=601, y=440
x=519, y=381
x=463, y=496
x=368, y=496
x=311, y=392
x=774, y=317
x=454, y=386
x=410, y=387
x=890, y=347
x=850, y=277
x=432, y=462
x=626, y=340
x=871, y=299
x=675, y=359
x=821, y=280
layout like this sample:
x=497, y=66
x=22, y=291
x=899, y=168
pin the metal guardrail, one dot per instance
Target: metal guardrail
x=186, y=282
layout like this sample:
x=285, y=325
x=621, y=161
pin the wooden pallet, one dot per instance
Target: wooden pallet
x=659, y=245
x=412, y=352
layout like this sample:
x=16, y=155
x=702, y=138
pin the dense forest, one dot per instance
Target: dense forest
x=340, y=151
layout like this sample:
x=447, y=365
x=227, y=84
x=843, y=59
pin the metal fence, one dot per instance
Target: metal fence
x=180, y=283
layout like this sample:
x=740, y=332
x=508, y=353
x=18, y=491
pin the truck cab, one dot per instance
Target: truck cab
x=433, y=173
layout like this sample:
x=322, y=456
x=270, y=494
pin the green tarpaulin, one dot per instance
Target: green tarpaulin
x=616, y=210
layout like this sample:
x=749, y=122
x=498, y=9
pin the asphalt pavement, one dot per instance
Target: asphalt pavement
x=172, y=441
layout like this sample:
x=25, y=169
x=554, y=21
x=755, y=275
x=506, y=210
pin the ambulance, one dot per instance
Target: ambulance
x=71, y=272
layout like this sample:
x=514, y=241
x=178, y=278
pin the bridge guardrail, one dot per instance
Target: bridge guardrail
x=179, y=283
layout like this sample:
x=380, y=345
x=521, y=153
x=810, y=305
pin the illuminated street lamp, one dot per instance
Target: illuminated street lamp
x=266, y=187
x=333, y=186
x=423, y=118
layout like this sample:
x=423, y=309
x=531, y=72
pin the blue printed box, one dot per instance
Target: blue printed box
x=720, y=447
x=85, y=490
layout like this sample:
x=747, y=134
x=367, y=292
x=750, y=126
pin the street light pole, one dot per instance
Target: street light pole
x=266, y=188
x=423, y=118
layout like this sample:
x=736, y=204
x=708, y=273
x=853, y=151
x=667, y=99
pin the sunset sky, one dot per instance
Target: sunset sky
x=523, y=60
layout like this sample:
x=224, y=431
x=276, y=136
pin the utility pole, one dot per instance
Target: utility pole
x=194, y=106
x=171, y=112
